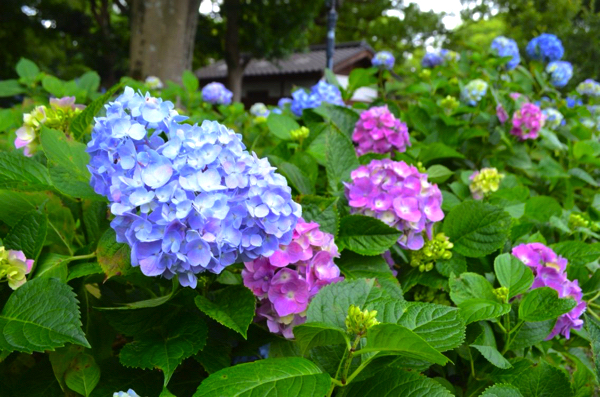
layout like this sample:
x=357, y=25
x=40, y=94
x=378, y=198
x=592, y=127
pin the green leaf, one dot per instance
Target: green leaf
x=457, y=265
x=54, y=86
x=502, y=390
x=53, y=265
x=532, y=333
x=358, y=78
x=80, y=125
x=470, y=286
x=342, y=117
x=190, y=81
x=298, y=179
x=83, y=269
x=41, y=315
x=167, y=349
x=310, y=335
x=89, y=81
x=577, y=252
x=281, y=126
x=148, y=303
x=114, y=258
x=29, y=234
x=542, y=208
x=27, y=70
x=437, y=151
x=232, y=307
x=584, y=176
x=366, y=235
x=83, y=375
x=22, y=173
x=69, y=161
x=543, y=304
x=10, y=88
x=477, y=229
x=321, y=210
x=438, y=173
x=493, y=356
x=513, y=274
x=543, y=380
x=397, y=382
x=593, y=329
x=396, y=339
x=474, y=310
x=341, y=159
x=354, y=266
x=284, y=377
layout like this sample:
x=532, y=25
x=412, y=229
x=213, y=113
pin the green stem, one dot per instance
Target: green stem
x=594, y=297
x=594, y=314
x=472, y=364
x=508, y=339
x=359, y=369
x=88, y=256
x=349, y=359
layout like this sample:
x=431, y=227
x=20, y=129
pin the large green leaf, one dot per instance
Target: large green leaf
x=69, y=161
x=83, y=375
x=513, y=274
x=593, y=329
x=113, y=257
x=543, y=380
x=470, y=286
x=493, y=356
x=53, y=265
x=321, y=210
x=281, y=377
x=544, y=304
x=190, y=81
x=18, y=172
x=502, y=390
x=396, y=339
x=474, y=310
x=577, y=252
x=82, y=122
x=542, y=208
x=29, y=234
x=166, y=348
x=27, y=70
x=532, y=333
x=344, y=118
x=340, y=157
x=366, y=235
x=281, y=125
x=436, y=151
x=298, y=179
x=354, y=265
x=397, y=382
x=232, y=306
x=41, y=315
x=477, y=229
x=10, y=88
x=310, y=335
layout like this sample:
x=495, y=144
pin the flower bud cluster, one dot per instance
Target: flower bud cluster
x=432, y=295
x=435, y=249
x=484, y=182
x=449, y=104
x=14, y=266
x=300, y=134
x=358, y=322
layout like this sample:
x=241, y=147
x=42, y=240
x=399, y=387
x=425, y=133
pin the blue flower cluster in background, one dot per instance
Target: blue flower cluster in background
x=505, y=47
x=545, y=48
x=217, y=94
x=383, y=60
x=319, y=93
x=474, y=91
x=589, y=87
x=259, y=109
x=193, y=203
x=560, y=72
x=432, y=59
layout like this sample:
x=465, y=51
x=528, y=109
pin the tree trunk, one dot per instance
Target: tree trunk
x=162, y=38
x=233, y=57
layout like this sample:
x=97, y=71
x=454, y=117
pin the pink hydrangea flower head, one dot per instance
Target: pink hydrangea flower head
x=527, y=121
x=379, y=131
x=399, y=195
x=14, y=267
x=501, y=113
x=286, y=281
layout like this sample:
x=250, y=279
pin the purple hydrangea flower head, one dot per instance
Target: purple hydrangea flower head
x=527, y=122
x=383, y=60
x=217, y=94
x=319, y=93
x=379, y=131
x=283, y=102
x=399, y=195
x=505, y=47
x=285, y=282
x=474, y=91
x=545, y=48
x=560, y=73
x=432, y=59
x=501, y=114
x=195, y=202
x=589, y=87
x=550, y=271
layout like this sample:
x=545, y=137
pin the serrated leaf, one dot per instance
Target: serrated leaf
x=83, y=269
x=365, y=235
x=354, y=266
x=438, y=173
x=397, y=382
x=232, y=307
x=53, y=265
x=493, y=356
x=321, y=210
x=396, y=339
x=543, y=380
x=502, y=390
x=284, y=377
x=81, y=123
x=543, y=304
x=114, y=258
x=83, y=375
x=532, y=333
x=29, y=234
x=167, y=349
x=477, y=229
x=513, y=274
x=593, y=329
x=340, y=157
x=457, y=265
x=474, y=310
x=89, y=82
x=436, y=151
x=18, y=172
x=542, y=208
x=470, y=286
x=344, y=118
x=578, y=253
x=309, y=335
x=297, y=178
x=42, y=314
x=281, y=126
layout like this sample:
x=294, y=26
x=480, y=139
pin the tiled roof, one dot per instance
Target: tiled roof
x=303, y=62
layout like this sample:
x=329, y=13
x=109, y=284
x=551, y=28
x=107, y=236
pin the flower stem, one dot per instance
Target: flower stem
x=88, y=256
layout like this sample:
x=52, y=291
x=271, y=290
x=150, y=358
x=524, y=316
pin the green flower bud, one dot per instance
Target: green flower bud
x=449, y=104
x=425, y=74
x=484, y=182
x=357, y=322
x=501, y=293
x=433, y=250
x=577, y=220
x=300, y=134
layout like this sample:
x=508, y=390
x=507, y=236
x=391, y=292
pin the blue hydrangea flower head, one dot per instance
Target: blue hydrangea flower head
x=383, y=60
x=217, y=94
x=573, y=101
x=449, y=55
x=553, y=118
x=472, y=93
x=328, y=93
x=283, y=102
x=505, y=47
x=589, y=87
x=259, y=110
x=128, y=393
x=545, y=48
x=560, y=72
x=432, y=59
x=320, y=92
x=196, y=201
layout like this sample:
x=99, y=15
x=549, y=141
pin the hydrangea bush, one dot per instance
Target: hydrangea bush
x=440, y=240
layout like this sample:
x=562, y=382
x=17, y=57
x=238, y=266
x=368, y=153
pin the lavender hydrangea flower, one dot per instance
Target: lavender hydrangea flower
x=153, y=83
x=383, y=60
x=553, y=118
x=217, y=94
x=379, y=131
x=399, y=195
x=259, y=110
x=128, y=393
x=320, y=92
x=560, y=73
x=432, y=59
x=474, y=91
x=286, y=282
x=550, y=271
x=545, y=48
x=589, y=87
x=505, y=47
x=527, y=122
x=193, y=203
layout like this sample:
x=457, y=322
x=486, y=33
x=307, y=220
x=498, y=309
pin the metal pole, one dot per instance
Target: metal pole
x=331, y=20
